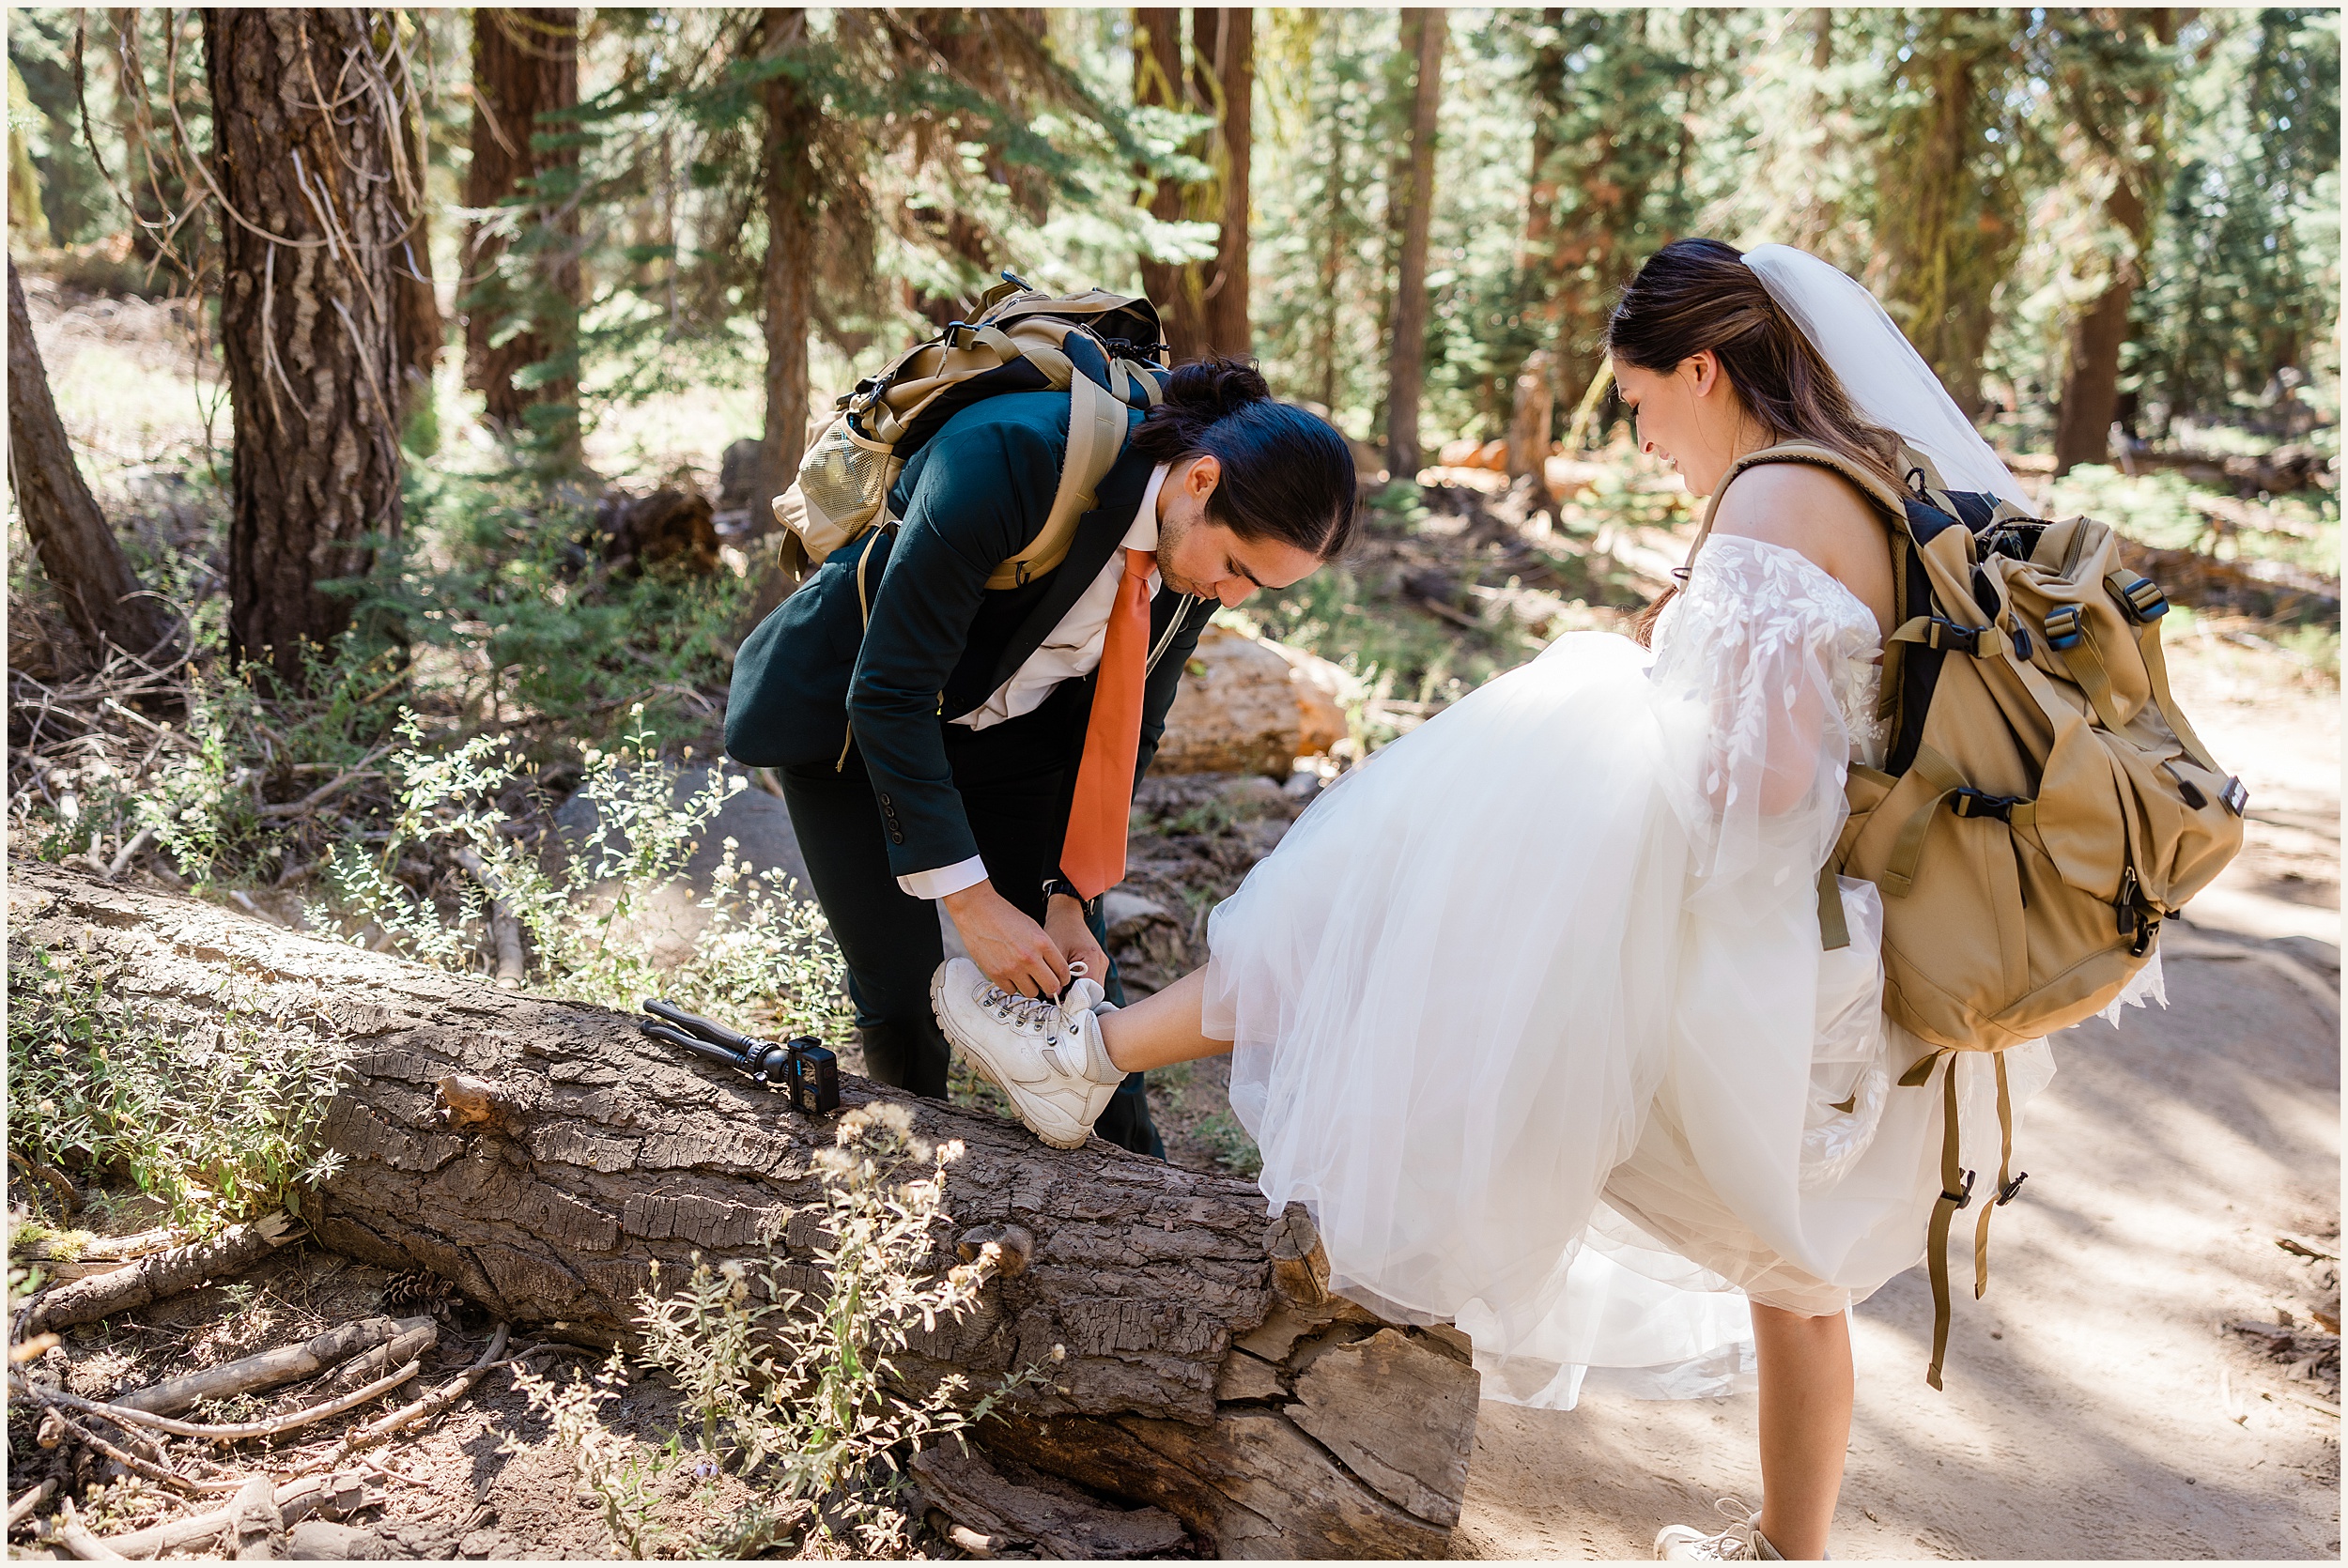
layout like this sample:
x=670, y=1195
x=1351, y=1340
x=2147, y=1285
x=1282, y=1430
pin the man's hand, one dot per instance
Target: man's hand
x=1009, y=948
x=1064, y=922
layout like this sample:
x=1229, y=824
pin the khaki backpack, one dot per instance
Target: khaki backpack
x=2044, y=805
x=1098, y=347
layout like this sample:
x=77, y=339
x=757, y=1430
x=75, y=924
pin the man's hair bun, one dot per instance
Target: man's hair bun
x=1212, y=387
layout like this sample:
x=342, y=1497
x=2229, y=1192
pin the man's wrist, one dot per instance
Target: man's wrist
x=962, y=897
x=1058, y=886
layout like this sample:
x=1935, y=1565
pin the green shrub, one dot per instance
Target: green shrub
x=795, y=1394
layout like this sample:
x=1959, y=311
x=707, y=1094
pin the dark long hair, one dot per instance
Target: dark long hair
x=1698, y=294
x=1286, y=474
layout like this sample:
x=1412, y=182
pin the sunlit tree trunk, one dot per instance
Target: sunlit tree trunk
x=305, y=322
x=525, y=66
x=79, y=553
x=1423, y=34
x=1230, y=330
x=788, y=277
x=416, y=319
x=1159, y=80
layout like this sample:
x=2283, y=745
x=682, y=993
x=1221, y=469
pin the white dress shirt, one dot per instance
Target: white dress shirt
x=1068, y=652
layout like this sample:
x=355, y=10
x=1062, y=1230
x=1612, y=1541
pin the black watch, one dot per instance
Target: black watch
x=1058, y=884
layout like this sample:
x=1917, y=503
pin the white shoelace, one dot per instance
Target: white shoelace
x=1741, y=1541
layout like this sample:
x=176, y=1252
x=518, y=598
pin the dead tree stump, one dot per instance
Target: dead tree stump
x=541, y=1156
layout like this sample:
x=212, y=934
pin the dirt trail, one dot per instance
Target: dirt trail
x=2085, y=1415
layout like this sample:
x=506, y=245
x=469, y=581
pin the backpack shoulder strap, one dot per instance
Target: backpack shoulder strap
x=1885, y=495
x=1096, y=437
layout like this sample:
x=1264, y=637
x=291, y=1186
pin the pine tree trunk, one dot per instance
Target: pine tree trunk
x=2092, y=344
x=418, y=327
x=525, y=66
x=1423, y=35
x=788, y=278
x=541, y=1156
x=305, y=323
x=1230, y=330
x=79, y=553
x=1159, y=80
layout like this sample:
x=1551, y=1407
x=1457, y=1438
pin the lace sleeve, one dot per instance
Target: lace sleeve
x=1759, y=664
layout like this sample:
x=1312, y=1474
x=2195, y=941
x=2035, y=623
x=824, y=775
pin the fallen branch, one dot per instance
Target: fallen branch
x=67, y=1531
x=125, y=1417
x=326, y=792
x=68, y=1193
x=99, y=1249
x=430, y=1405
x=160, y=1474
x=504, y=931
x=332, y=1497
x=23, y=1507
x=419, y=1336
x=2322, y=1252
x=269, y=1368
x=167, y=1273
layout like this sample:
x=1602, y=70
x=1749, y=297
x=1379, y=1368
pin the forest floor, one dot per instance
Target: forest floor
x=2098, y=1404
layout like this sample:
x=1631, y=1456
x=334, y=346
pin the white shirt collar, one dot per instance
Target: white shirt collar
x=1143, y=535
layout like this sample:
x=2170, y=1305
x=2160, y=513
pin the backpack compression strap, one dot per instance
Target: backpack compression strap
x=1956, y=1191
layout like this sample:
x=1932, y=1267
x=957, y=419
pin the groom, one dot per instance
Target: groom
x=974, y=727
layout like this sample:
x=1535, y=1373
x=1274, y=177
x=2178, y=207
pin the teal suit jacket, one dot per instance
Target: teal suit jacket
x=941, y=642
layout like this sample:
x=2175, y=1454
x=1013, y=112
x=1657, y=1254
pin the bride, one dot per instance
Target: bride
x=1531, y=1011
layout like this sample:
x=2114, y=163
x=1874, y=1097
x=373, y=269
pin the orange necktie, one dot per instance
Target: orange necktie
x=1093, y=856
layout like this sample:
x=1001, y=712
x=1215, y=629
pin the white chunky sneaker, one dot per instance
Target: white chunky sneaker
x=1046, y=1056
x=1742, y=1542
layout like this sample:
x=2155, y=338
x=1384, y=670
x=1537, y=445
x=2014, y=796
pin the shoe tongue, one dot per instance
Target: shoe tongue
x=1082, y=997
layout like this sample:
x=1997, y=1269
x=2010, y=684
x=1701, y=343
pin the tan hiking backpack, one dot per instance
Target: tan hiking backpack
x=2044, y=805
x=1101, y=348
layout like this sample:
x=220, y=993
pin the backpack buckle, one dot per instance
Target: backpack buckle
x=2065, y=627
x=1947, y=636
x=2140, y=597
x=958, y=335
x=1963, y=1199
x=2233, y=797
x=2007, y=1190
x=1977, y=803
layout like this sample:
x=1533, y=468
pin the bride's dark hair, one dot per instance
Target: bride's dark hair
x=1694, y=295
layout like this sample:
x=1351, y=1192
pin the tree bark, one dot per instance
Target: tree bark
x=788, y=277
x=541, y=1156
x=1229, y=329
x=1423, y=34
x=1160, y=82
x=305, y=323
x=1536, y=406
x=79, y=552
x=418, y=327
x=525, y=66
x=2093, y=344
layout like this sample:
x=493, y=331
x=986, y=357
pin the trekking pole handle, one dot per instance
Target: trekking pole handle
x=692, y=1023
x=666, y=1036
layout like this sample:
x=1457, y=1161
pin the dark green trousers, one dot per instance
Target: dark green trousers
x=1011, y=778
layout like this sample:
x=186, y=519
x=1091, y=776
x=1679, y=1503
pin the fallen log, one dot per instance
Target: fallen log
x=158, y=1274
x=541, y=1156
x=268, y=1369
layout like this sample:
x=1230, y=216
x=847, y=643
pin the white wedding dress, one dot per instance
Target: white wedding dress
x=1531, y=1011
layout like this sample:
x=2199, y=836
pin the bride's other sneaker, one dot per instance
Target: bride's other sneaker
x=1046, y=1056
x=1742, y=1542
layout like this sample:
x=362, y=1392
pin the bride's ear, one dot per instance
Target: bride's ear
x=1704, y=367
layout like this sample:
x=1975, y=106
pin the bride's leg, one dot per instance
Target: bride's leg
x=1806, y=1394
x=1160, y=1030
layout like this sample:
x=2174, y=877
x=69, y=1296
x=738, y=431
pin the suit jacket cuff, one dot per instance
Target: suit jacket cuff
x=938, y=883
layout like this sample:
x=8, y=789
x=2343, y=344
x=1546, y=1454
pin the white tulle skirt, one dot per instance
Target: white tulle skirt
x=1530, y=1078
